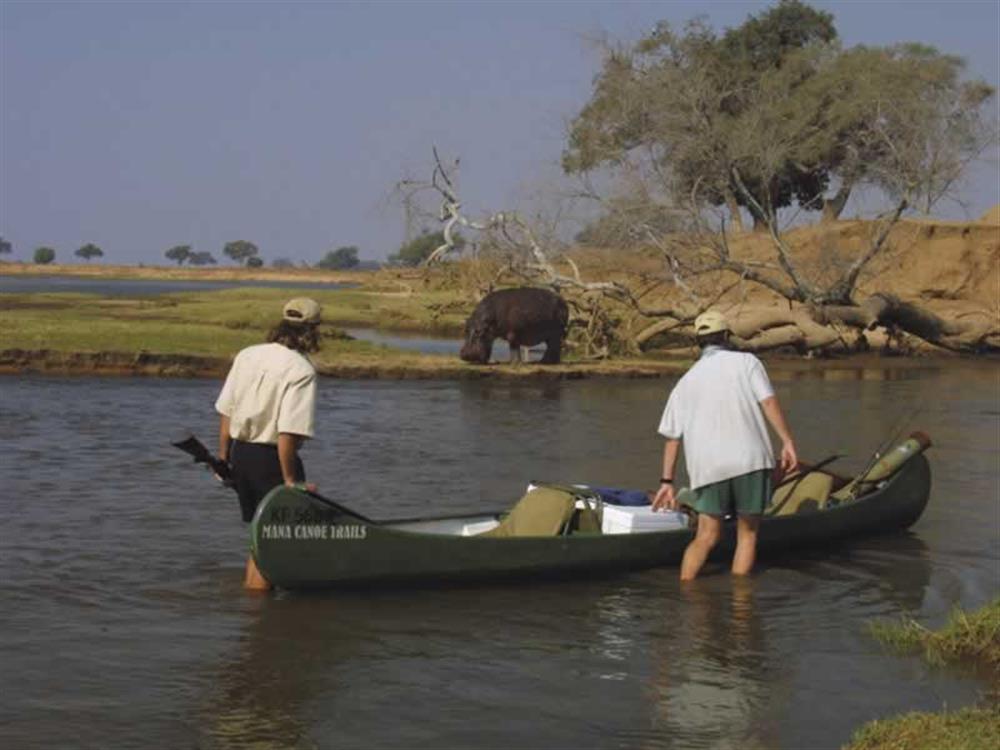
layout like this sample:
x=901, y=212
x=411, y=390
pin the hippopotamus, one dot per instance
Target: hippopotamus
x=524, y=316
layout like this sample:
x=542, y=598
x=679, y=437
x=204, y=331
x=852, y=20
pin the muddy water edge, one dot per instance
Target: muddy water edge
x=125, y=624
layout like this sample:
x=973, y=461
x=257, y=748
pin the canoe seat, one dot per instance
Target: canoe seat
x=801, y=495
x=544, y=511
x=585, y=521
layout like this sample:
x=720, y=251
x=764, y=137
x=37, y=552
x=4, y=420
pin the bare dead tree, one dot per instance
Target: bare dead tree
x=524, y=255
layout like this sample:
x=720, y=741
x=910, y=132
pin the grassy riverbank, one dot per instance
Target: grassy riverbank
x=968, y=638
x=196, y=333
x=967, y=729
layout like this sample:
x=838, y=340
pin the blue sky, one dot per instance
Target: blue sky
x=141, y=125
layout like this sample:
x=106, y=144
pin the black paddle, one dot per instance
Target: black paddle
x=202, y=455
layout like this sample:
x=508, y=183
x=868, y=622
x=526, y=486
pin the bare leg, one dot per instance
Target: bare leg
x=705, y=538
x=746, y=544
x=252, y=579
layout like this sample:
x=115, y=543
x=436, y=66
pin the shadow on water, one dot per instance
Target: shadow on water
x=710, y=671
x=283, y=657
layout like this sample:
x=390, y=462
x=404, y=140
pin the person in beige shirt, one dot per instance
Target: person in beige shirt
x=267, y=408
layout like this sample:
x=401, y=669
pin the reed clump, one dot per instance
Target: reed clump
x=966, y=729
x=967, y=636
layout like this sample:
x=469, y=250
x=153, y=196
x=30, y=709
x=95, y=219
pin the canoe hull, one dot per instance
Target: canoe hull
x=304, y=541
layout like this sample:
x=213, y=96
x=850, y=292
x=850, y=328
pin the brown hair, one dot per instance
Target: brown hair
x=302, y=337
x=716, y=338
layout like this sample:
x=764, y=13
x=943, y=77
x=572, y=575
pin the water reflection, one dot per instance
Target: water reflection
x=260, y=693
x=712, y=683
x=450, y=345
x=500, y=391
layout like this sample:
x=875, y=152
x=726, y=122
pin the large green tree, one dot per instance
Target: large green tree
x=680, y=102
x=44, y=255
x=340, y=259
x=5, y=247
x=88, y=251
x=241, y=251
x=179, y=254
x=202, y=258
x=774, y=113
x=417, y=250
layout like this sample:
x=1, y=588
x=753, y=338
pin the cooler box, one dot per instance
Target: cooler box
x=632, y=519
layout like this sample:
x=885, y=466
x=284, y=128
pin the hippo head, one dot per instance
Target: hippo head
x=478, y=342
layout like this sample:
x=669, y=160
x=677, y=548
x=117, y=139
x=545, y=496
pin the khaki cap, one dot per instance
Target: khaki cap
x=301, y=310
x=710, y=321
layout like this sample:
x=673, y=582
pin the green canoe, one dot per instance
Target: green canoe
x=303, y=540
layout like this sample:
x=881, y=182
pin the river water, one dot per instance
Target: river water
x=125, y=624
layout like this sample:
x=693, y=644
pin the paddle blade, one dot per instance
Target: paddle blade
x=202, y=455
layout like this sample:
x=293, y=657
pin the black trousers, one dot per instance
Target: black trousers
x=256, y=471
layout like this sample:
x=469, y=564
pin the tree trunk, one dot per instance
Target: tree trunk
x=811, y=329
x=833, y=207
x=760, y=330
x=893, y=314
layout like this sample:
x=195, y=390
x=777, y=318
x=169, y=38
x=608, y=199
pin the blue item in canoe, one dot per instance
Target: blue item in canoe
x=613, y=496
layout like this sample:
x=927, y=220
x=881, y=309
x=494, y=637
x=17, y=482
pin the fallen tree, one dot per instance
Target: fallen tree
x=702, y=268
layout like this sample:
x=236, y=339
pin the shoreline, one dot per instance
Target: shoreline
x=196, y=334
x=151, y=364
x=180, y=273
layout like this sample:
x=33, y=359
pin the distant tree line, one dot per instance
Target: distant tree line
x=246, y=253
x=342, y=258
x=43, y=255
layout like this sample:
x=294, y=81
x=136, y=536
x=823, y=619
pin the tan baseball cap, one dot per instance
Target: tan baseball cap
x=301, y=310
x=710, y=321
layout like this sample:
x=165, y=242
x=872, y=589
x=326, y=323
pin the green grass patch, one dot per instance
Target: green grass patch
x=257, y=307
x=216, y=323
x=966, y=637
x=967, y=729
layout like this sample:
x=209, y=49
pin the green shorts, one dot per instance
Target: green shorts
x=746, y=495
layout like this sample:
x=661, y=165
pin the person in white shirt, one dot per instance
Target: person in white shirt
x=267, y=408
x=718, y=409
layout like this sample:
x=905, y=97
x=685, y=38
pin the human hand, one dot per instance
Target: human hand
x=665, y=499
x=789, y=457
x=224, y=481
x=304, y=486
